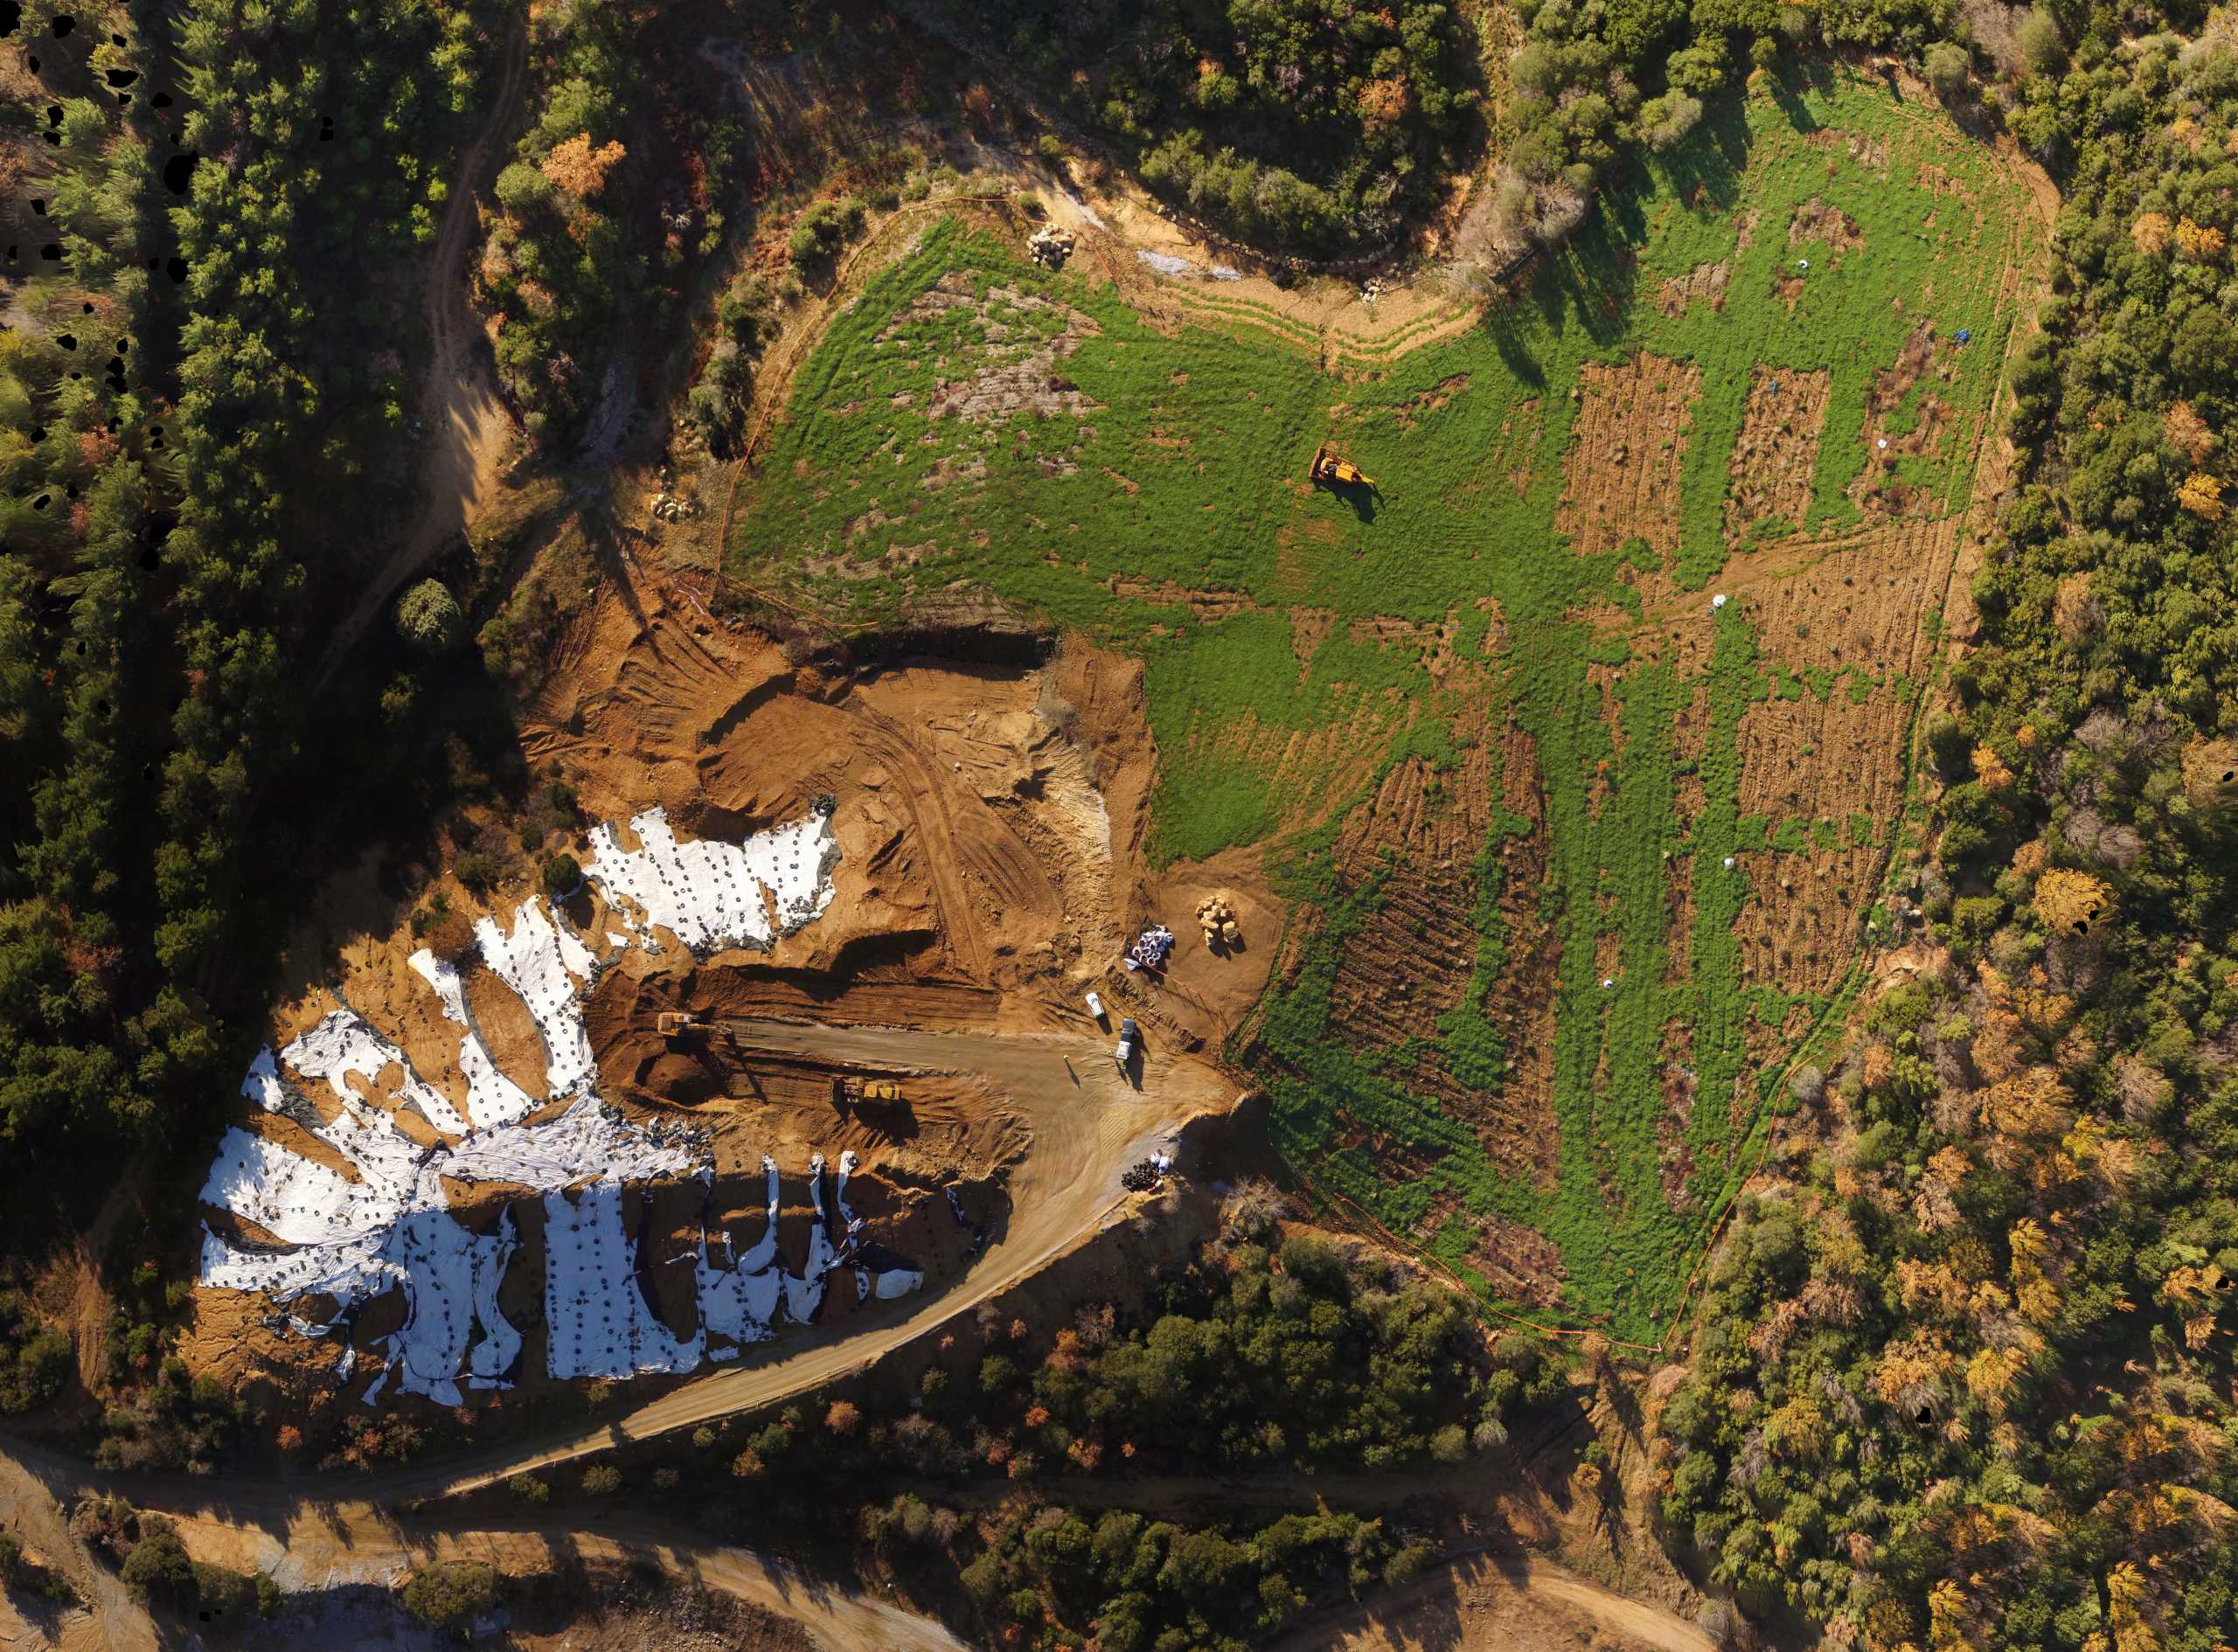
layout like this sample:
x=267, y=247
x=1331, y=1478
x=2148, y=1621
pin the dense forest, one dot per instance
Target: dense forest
x=1964, y=1378
x=177, y=361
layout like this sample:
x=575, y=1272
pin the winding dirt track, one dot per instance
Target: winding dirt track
x=1525, y=1576
x=318, y=1546
x=463, y=423
x=339, y=1546
x=109, y=1620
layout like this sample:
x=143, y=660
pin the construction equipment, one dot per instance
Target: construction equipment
x=672, y=1023
x=1327, y=467
x=1216, y=913
x=874, y=1090
x=1050, y=247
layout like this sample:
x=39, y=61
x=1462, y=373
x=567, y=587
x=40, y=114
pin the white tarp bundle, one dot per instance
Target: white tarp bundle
x=385, y=1223
x=712, y=895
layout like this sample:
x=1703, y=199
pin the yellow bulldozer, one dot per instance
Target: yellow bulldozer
x=1328, y=469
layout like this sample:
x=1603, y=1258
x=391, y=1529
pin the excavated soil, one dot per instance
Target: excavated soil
x=1777, y=451
x=1626, y=447
x=1411, y=960
x=990, y=819
x=1816, y=221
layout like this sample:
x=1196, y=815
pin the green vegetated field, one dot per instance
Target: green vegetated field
x=973, y=418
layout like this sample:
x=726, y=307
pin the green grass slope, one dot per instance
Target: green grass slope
x=1146, y=490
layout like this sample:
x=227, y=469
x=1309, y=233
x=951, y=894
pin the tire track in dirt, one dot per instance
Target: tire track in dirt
x=316, y=1547
x=109, y=1620
x=461, y=414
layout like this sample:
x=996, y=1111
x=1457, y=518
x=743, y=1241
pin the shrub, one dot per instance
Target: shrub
x=18, y=1572
x=477, y=871
x=159, y=1568
x=1947, y=743
x=1948, y=67
x=743, y=316
x=32, y=1372
x=452, y=1593
x=529, y=1489
x=822, y=229
x=601, y=1480
x=523, y=188
x=449, y=936
x=2041, y=48
x=1665, y=119
x=429, y=618
x=561, y=874
x=222, y=1594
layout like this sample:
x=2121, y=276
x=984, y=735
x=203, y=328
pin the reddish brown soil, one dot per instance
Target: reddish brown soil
x=1411, y=961
x=1877, y=489
x=1863, y=608
x=1829, y=225
x=1871, y=151
x=991, y=823
x=1777, y=450
x=1626, y=446
x=508, y=1031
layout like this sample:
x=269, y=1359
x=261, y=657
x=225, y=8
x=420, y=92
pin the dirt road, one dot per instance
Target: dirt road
x=463, y=425
x=328, y=1546
x=1510, y=1601
x=108, y=1620
x=1507, y=1603
x=1089, y=1124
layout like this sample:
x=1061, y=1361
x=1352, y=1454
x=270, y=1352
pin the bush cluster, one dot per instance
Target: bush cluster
x=1315, y=126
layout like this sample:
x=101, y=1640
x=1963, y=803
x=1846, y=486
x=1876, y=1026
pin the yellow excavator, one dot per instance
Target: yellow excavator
x=1336, y=472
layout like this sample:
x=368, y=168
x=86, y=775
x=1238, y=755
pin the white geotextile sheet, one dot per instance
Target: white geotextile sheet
x=589, y=1142
x=492, y=1098
x=543, y=963
x=387, y=1224
x=598, y=1321
x=712, y=895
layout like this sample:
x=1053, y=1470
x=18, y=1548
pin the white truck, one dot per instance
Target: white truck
x=1130, y=1040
